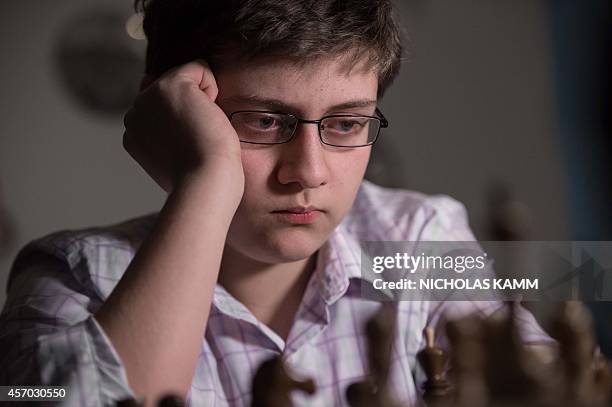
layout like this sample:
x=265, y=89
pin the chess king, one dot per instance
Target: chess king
x=257, y=117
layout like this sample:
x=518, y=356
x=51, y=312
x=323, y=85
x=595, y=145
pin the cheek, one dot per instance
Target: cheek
x=360, y=161
x=349, y=169
x=348, y=173
x=257, y=167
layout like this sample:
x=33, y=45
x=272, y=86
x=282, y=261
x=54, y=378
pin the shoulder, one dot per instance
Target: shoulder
x=380, y=213
x=73, y=245
x=95, y=257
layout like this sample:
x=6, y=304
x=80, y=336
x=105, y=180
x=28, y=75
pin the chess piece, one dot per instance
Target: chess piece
x=363, y=394
x=512, y=373
x=380, y=331
x=467, y=361
x=602, y=380
x=129, y=403
x=508, y=218
x=373, y=391
x=433, y=360
x=171, y=400
x=492, y=367
x=273, y=384
x=573, y=328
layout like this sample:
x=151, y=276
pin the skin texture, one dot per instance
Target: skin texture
x=217, y=224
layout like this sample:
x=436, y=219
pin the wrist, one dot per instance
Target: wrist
x=212, y=177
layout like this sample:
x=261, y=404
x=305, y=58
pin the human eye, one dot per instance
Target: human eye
x=263, y=122
x=345, y=125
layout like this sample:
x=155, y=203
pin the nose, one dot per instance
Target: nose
x=304, y=159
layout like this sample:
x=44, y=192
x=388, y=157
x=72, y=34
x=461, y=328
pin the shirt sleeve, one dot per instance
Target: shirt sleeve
x=48, y=335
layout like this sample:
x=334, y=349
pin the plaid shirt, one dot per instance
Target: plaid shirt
x=48, y=334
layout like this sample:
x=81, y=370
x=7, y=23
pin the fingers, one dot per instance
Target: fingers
x=209, y=83
x=197, y=72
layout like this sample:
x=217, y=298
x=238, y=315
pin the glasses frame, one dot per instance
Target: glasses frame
x=383, y=123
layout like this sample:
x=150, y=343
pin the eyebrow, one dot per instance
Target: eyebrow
x=279, y=105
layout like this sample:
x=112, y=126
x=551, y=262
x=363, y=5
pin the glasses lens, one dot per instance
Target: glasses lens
x=262, y=127
x=349, y=131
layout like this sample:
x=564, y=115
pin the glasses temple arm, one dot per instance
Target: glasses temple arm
x=383, y=120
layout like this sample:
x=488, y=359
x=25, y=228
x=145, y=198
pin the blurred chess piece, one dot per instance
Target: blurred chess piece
x=491, y=366
x=509, y=219
x=573, y=328
x=603, y=379
x=129, y=403
x=513, y=374
x=171, y=400
x=433, y=360
x=273, y=385
x=467, y=361
x=374, y=390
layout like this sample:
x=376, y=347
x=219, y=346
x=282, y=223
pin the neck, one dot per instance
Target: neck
x=272, y=292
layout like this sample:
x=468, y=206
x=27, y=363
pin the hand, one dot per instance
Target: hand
x=175, y=129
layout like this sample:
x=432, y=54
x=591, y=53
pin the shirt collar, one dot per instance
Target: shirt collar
x=338, y=262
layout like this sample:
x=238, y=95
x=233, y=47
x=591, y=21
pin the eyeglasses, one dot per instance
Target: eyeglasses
x=338, y=130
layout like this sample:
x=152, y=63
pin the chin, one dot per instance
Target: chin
x=286, y=247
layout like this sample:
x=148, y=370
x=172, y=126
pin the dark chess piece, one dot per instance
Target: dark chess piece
x=363, y=394
x=380, y=331
x=573, y=328
x=467, y=361
x=603, y=380
x=519, y=379
x=171, y=400
x=129, y=403
x=508, y=218
x=373, y=391
x=273, y=384
x=433, y=360
x=491, y=366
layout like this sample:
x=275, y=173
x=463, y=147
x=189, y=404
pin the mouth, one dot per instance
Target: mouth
x=299, y=215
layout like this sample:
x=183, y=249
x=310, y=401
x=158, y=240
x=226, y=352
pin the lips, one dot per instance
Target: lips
x=300, y=215
x=300, y=209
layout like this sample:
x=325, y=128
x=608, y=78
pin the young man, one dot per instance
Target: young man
x=257, y=118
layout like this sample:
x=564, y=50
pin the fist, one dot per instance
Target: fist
x=175, y=128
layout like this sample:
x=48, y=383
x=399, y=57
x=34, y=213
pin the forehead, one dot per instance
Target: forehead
x=321, y=82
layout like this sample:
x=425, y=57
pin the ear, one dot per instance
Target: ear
x=146, y=81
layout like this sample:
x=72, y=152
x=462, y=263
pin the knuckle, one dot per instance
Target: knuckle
x=160, y=88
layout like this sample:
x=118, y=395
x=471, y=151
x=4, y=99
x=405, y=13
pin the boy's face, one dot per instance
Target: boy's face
x=304, y=172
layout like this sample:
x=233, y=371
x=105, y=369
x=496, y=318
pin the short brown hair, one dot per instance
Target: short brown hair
x=179, y=31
